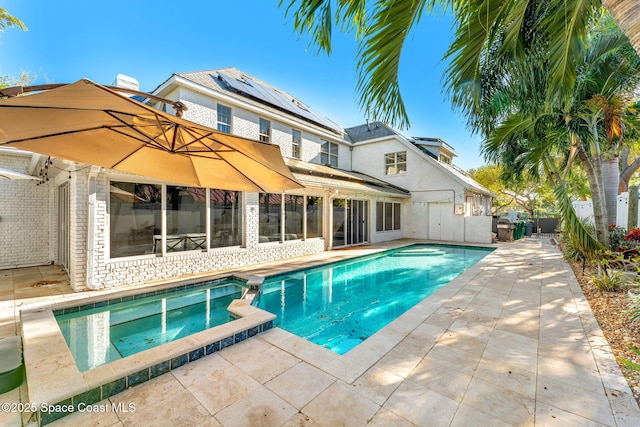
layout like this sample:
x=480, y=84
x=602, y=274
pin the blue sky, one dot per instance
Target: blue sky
x=72, y=39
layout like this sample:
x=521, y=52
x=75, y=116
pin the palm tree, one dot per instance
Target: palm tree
x=382, y=27
x=528, y=125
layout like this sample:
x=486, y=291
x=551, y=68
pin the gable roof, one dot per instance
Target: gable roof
x=237, y=84
x=377, y=130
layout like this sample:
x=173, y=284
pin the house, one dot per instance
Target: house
x=362, y=184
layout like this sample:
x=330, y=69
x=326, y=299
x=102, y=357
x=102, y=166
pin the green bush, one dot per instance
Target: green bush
x=608, y=280
x=617, y=237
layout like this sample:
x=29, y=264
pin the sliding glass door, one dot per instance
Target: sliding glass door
x=350, y=222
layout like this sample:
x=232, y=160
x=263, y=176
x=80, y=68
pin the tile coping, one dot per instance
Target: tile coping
x=55, y=385
x=347, y=367
x=55, y=381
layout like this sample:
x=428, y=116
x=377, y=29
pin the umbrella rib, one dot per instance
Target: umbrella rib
x=146, y=138
x=51, y=135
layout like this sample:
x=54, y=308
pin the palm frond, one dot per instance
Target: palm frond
x=313, y=17
x=566, y=29
x=579, y=236
x=379, y=60
x=8, y=21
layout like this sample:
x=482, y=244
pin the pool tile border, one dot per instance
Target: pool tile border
x=112, y=388
x=90, y=390
x=242, y=312
x=169, y=290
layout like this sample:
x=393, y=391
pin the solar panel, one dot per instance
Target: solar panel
x=277, y=99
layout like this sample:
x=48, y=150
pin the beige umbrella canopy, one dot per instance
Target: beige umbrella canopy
x=89, y=123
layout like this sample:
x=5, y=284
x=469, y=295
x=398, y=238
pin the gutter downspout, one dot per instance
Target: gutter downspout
x=91, y=212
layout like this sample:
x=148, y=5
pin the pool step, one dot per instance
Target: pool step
x=11, y=367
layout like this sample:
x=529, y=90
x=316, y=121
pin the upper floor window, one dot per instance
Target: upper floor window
x=265, y=130
x=395, y=163
x=296, y=141
x=445, y=159
x=224, y=118
x=329, y=154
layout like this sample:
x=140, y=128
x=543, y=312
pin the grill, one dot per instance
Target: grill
x=505, y=229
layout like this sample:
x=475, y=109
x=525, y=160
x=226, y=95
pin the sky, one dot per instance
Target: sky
x=150, y=40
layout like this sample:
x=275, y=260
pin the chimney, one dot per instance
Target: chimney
x=126, y=82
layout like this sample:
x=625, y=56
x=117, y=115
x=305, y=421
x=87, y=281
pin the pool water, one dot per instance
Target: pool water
x=101, y=335
x=340, y=305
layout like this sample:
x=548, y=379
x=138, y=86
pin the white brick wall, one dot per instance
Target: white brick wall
x=117, y=272
x=25, y=227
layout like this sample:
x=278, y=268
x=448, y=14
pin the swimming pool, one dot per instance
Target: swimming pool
x=339, y=305
x=112, y=330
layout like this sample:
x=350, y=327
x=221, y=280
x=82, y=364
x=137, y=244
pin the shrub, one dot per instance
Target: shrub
x=617, y=237
x=607, y=278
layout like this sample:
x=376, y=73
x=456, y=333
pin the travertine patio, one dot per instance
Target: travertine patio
x=511, y=341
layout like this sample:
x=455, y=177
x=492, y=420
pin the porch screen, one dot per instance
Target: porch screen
x=135, y=218
x=314, y=217
x=226, y=219
x=186, y=218
x=270, y=217
x=293, y=217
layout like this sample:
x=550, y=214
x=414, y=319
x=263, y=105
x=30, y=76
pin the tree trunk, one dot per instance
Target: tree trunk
x=610, y=178
x=632, y=221
x=627, y=170
x=626, y=13
x=594, y=177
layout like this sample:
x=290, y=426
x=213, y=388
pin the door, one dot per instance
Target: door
x=360, y=213
x=350, y=222
x=63, y=226
x=440, y=221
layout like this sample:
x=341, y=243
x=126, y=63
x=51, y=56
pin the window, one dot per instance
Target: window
x=226, y=218
x=329, y=154
x=395, y=163
x=478, y=205
x=293, y=217
x=387, y=216
x=445, y=159
x=270, y=208
x=186, y=219
x=265, y=130
x=224, y=118
x=135, y=214
x=296, y=141
x=135, y=217
x=290, y=210
x=314, y=217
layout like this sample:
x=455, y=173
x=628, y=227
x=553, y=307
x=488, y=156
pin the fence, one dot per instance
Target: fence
x=584, y=210
x=540, y=225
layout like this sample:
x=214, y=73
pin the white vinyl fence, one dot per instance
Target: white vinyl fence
x=584, y=210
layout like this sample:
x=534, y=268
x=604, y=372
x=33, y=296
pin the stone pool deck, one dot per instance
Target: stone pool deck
x=511, y=341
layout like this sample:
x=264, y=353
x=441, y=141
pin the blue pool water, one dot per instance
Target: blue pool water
x=340, y=305
x=101, y=335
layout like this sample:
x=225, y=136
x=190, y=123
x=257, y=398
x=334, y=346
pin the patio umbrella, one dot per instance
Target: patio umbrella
x=9, y=174
x=89, y=123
